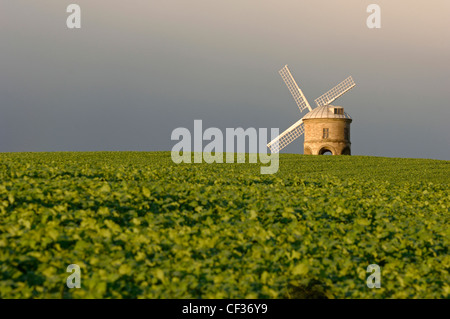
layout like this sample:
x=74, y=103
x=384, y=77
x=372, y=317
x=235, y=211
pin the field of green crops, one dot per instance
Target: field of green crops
x=140, y=226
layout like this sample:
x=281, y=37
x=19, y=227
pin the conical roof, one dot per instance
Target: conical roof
x=326, y=112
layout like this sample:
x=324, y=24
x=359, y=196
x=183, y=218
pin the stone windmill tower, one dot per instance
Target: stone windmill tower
x=326, y=128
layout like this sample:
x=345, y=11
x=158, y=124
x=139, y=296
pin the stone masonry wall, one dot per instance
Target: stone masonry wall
x=336, y=141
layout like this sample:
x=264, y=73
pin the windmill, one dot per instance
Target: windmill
x=326, y=127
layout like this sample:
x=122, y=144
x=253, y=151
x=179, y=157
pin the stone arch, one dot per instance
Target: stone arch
x=327, y=148
x=346, y=151
x=307, y=151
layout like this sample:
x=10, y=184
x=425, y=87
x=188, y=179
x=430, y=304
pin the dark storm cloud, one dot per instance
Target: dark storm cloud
x=138, y=69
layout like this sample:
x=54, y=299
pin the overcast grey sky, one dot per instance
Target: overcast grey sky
x=137, y=70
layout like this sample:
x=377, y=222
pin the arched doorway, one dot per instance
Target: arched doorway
x=325, y=151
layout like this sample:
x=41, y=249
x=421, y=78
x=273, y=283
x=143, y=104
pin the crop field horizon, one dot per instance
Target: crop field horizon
x=141, y=226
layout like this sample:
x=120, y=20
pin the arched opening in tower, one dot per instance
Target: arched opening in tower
x=325, y=151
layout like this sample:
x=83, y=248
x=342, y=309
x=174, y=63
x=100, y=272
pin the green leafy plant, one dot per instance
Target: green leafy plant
x=140, y=226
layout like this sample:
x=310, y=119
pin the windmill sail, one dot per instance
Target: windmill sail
x=282, y=140
x=336, y=92
x=297, y=94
